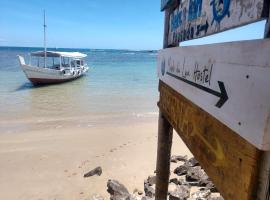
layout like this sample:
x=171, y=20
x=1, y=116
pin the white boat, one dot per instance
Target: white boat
x=49, y=67
x=59, y=66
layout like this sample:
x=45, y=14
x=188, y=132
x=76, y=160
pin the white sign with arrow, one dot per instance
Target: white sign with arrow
x=230, y=81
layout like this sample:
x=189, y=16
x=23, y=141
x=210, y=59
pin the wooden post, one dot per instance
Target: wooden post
x=165, y=134
x=263, y=190
x=166, y=29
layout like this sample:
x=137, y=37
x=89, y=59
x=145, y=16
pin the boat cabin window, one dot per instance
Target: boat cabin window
x=37, y=61
x=55, y=62
x=51, y=62
x=65, y=62
x=72, y=64
x=76, y=63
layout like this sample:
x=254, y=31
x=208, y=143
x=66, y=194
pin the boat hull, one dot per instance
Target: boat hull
x=44, y=76
x=42, y=81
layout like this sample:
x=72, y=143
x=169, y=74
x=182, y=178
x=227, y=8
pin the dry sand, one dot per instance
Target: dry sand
x=50, y=164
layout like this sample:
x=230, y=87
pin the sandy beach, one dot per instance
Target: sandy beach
x=50, y=164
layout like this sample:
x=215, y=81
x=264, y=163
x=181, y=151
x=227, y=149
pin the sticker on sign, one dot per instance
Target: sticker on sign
x=230, y=81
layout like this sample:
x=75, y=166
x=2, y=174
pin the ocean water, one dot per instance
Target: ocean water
x=120, y=86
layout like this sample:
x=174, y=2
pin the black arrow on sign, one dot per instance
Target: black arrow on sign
x=223, y=96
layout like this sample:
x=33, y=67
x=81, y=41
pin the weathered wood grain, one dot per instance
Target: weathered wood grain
x=230, y=81
x=263, y=189
x=166, y=4
x=166, y=29
x=198, y=18
x=165, y=135
x=229, y=160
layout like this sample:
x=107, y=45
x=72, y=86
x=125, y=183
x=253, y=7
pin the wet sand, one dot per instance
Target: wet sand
x=50, y=164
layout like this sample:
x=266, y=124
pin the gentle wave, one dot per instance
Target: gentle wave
x=130, y=53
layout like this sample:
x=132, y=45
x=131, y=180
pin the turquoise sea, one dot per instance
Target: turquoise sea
x=121, y=86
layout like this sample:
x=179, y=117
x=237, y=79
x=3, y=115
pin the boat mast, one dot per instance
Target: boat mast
x=45, y=48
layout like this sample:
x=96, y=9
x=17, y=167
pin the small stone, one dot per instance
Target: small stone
x=192, y=162
x=192, y=178
x=137, y=191
x=195, y=174
x=96, y=171
x=201, y=195
x=212, y=187
x=151, y=180
x=117, y=190
x=175, y=159
x=180, y=193
x=175, y=181
x=204, y=182
x=193, y=184
x=149, y=190
x=182, y=182
x=181, y=170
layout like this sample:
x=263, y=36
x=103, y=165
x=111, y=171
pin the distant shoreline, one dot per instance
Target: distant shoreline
x=83, y=49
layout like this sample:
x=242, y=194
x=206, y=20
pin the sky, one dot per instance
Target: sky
x=95, y=24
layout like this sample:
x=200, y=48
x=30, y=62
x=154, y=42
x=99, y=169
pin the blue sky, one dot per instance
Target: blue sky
x=108, y=24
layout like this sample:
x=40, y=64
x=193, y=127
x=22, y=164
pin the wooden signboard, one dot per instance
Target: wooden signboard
x=230, y=161
x=197, y=18
x=230, y=81
x=216, y=97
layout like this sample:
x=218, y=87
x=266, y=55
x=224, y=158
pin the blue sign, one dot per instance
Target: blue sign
x=195, y=9
x=220, y=9
x=193, y=19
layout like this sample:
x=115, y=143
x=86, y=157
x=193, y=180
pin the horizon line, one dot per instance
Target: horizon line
x=78, y=48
